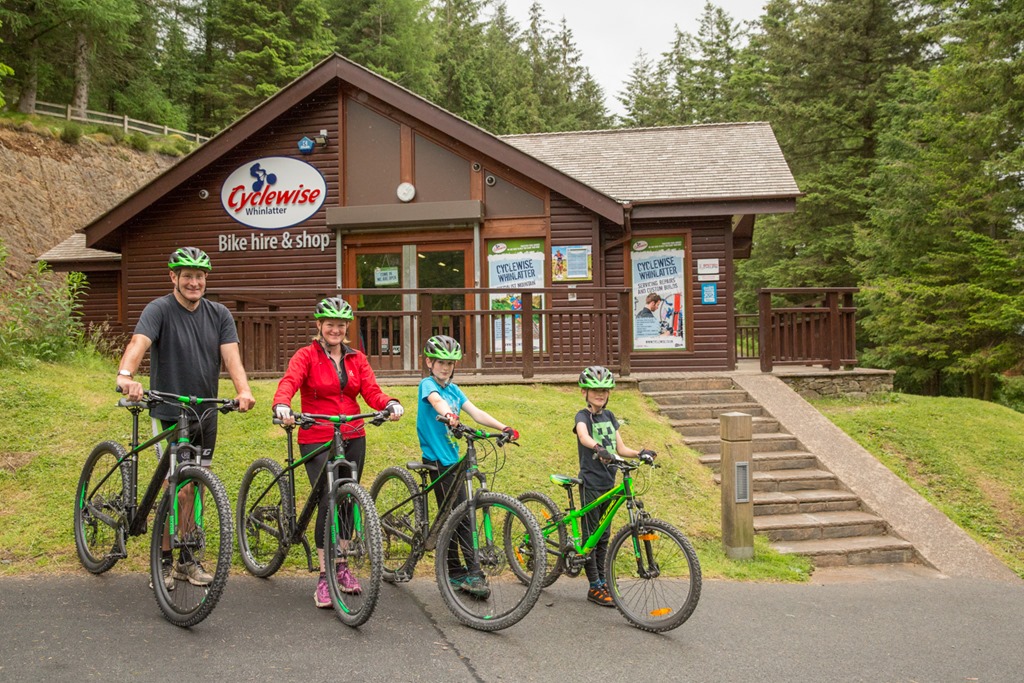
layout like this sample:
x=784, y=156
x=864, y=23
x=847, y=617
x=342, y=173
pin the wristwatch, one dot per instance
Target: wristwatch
x=124, y=373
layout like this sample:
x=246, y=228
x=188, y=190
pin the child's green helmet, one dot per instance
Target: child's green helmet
x=334, y=307
x=597, y=377
x=189, y=257
x=442, y=347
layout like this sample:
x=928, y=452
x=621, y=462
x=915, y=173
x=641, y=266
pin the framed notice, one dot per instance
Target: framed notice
x=572, y=264
x=514, y=265
x=659, y=292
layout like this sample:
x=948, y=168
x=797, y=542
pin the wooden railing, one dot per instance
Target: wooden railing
x=747, y=334
x=818, y=330
x=272, y=326
x=68, y=113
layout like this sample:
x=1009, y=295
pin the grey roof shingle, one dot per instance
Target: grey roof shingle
x=74, y=249
x=671, y=164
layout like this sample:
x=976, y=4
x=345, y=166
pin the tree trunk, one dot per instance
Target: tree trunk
x=30, y=82
x=80, y=97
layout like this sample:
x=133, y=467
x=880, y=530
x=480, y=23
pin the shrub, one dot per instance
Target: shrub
x=139, y=141
x=71, y=133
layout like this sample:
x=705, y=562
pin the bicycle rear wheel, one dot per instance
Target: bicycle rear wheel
x=353, y=554
x=100, y=505
x=400, y=521
x=653, y=575
x=491, y=597
x=197, y=518
x=261, y=513
x=548, y=516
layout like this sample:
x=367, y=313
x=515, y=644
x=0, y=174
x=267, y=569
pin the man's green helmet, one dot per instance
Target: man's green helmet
x=189, y=257
x=597, y=377
x=334, y=307
x=442, y=347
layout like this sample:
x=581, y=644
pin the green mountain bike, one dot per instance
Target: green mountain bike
x=653, y=572
x=193, y=518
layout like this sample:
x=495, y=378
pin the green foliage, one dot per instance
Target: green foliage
x=71, y=133
x=38, y=320
x=139, y=141
x=934, y=445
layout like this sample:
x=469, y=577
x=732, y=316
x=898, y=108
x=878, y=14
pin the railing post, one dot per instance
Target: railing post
x=625, y=332
x=764, y=331
x=527, y=324
x=836, y=342
x=426, y=313
x=737, y=486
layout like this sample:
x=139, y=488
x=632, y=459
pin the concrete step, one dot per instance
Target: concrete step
x=857, y=550
x=762, y=443
x=689, y=398
x=792, y=480
x=803, y=526
x=771, y=460
x=685, y=384
x=712, y=411
x=713, y=426
x=807, y=500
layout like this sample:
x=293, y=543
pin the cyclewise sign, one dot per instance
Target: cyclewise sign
x=272, y=193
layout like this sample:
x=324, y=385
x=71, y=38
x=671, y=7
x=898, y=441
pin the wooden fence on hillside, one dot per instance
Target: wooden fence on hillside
x=128, y=125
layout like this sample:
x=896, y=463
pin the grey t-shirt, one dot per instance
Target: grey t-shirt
x=185, y=356
x=602, y=428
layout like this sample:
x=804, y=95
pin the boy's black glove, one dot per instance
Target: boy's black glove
x=602, y=453
x=647, y=455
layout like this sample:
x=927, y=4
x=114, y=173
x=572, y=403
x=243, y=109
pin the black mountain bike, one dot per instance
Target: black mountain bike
x=194, y=515
x=496, y=530
x=653, y=572
x=268, y=526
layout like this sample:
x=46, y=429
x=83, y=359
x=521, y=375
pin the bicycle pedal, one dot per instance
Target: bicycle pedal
x=403, y=577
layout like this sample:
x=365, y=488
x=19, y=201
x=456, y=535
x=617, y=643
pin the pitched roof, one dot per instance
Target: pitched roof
x=74, y=249
x=672, y=164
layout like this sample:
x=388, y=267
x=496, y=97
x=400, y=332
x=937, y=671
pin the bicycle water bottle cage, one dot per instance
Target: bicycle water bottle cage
x=564, y=480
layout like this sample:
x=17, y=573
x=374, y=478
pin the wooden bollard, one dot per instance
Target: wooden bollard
x=737, y=486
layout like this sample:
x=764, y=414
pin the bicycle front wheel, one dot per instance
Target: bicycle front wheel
x=549, y=517
x=194, y=521
x=394, y=492
x=653, y=575
x=353, y=554
x=490, y=596
x=100, y=506
x=263, y=502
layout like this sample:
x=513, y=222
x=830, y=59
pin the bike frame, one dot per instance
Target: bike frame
x=622, y=493
x=296, y=525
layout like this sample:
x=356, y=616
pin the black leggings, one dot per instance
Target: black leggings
x=355, y=452
x=464, y=536
x=595, y=563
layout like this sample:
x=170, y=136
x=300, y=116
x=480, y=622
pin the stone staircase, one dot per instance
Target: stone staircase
x=800, y=506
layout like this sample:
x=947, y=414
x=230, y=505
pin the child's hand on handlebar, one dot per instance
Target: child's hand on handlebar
x=647, y=456
x=452, y=419
x=602, y=453
x=513, y=435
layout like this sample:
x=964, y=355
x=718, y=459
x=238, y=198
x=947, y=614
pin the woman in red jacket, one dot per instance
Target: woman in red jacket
x=329, y=375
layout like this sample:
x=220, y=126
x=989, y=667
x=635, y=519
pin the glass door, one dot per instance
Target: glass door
x=379, y=319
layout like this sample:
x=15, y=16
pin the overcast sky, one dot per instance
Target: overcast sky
x=610, y=33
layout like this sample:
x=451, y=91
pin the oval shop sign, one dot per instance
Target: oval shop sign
x=273, y=192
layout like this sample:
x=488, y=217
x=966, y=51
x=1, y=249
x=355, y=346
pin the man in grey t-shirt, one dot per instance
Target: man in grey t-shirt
x=187, y=337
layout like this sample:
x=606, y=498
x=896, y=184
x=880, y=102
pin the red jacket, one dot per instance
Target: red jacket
x=313, y=374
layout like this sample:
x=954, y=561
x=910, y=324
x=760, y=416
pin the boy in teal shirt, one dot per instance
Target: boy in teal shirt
x=438, y=395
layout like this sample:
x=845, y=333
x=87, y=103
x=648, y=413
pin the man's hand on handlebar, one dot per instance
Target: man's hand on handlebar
x=130, y=388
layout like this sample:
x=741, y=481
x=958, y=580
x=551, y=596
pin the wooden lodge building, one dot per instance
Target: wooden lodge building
x=617, y=245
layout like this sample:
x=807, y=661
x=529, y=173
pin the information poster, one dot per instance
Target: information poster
x=569, y=264
x=659, y=293
x=514, y=265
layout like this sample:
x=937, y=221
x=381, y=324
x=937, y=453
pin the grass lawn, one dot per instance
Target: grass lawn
x=964, y=456
x=55, y=414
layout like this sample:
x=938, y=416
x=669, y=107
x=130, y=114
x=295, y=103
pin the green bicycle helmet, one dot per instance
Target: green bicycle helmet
x=597, y=377
x=334, y=307
x=442, y=347
x=189, y=257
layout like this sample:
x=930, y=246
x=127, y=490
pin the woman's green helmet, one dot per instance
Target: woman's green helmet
x=334, y=307
x=189, y=257
x=597, y=377
x=442, y=347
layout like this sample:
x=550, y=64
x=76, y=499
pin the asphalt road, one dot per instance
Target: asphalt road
x=919, y=628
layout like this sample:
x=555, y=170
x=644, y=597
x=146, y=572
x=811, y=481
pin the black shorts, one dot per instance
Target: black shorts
x=202, y=434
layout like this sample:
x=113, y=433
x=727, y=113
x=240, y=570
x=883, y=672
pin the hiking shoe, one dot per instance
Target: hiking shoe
x=347, y=582
x=476, y=585
x=169, y=582
x=192, y=572
x=322, y=597
x=600, y=596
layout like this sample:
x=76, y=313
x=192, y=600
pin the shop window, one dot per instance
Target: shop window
x=373, y=147
x=502, y=198
x=440, y=174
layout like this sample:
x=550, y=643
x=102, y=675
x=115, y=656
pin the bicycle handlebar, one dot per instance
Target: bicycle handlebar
x=460, y=431
x=151, y=397
x=307, y=420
